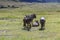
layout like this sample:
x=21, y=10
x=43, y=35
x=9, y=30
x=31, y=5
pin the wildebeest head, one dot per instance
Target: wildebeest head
x=34, y=15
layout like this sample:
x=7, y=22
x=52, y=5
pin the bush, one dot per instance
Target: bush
x=8, y=5
x=13, y=6
x=1, y=6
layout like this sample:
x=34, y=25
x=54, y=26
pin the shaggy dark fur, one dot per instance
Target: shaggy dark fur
x=28, y=19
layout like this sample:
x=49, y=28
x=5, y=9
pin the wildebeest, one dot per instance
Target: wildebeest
x=36, y=23
x=27, y=21
x=42, y=22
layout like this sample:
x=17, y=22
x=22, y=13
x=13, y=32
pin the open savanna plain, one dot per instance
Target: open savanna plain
x=11, y=22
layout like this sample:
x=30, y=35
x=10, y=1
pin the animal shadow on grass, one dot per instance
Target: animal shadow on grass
x=26, y=28
x=41, y=29
x=33, y=28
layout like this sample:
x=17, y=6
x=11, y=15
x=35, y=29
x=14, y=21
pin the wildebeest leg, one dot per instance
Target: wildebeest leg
x=24, y=24
x=31, y=22
x=42, y=26
x=28, y=27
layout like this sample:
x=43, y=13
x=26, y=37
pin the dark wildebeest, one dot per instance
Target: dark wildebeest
x=42, y=22
x=28, y=20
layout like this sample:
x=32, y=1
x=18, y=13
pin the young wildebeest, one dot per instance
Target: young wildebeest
x=28, y=20
x=42, y=22
x=36, y=23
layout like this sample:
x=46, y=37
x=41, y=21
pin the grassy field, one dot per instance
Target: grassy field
x=11, y=24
